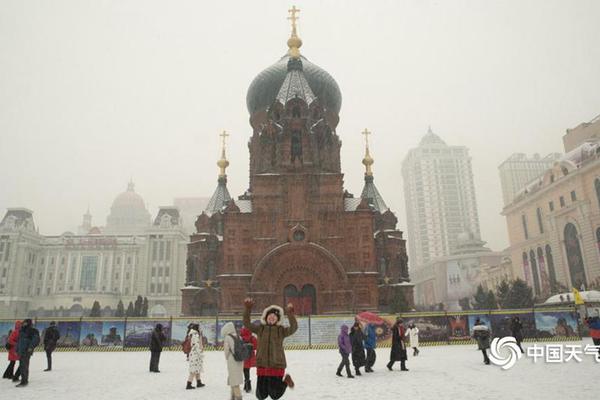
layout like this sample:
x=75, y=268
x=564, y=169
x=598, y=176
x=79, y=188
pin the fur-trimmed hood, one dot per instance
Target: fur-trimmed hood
x=263, y=318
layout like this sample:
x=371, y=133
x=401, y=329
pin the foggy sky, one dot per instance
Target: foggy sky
x=93, y=93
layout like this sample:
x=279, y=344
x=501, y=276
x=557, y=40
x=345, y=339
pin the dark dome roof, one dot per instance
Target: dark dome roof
x=264, y=88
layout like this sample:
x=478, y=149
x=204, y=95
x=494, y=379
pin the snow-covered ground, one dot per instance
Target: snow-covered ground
x=438, y=372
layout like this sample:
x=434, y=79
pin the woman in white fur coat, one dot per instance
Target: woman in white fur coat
x=235, y=369
x=413, y=333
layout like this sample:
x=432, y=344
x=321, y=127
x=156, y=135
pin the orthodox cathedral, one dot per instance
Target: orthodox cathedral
x=296, y=235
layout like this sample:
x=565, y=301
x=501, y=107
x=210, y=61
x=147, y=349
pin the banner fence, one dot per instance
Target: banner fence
x=314, y=332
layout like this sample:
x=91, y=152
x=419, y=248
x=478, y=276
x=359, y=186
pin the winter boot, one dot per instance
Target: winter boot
x=403, y=366
x=288, y=380
x=357, y=372
x=199, y=383
x=189, y=386
x=247, y=386
x=389, y=366
x=350, y=376
x=339, y=373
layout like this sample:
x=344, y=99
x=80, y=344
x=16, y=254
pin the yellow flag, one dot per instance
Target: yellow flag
x=578, y=298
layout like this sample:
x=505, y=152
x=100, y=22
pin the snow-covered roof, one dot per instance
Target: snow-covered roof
x=589, y=296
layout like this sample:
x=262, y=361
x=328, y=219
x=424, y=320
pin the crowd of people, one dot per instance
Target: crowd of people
x=260, y=346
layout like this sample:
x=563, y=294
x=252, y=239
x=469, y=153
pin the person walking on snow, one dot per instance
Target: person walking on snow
x=516, y=329
x=357, y=338
x=29, y=338
x=270, y=357
x=196, y=356
x=248, y=337
x=413, y=334
x=370, y=345
x=235, y=369
x=13, y=357
x=157, y=341
x=481, y=333
x=51, y=337
x=345, y=348
x=398, y=351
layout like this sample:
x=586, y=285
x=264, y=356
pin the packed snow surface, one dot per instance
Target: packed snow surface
x=438, y=372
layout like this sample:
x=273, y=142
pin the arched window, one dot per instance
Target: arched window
x=534, y=273
x=539, y=218
x=526, y=268
x=574, y=257
x=598, y=238
x=597, y=186
x=524, y=221
x=543, y=271
x=551, y=271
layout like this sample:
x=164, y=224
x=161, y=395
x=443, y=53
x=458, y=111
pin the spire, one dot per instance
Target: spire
x=370, y=192
x=368, y=160
x=294, y=42
x=223, y=163
x=131, y=186
x=221, y=195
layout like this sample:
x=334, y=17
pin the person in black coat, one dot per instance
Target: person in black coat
x=156, y=345
x=29, y=338
x=51, y=337
x=358, y=349
x=516, y=328
x=398, y=351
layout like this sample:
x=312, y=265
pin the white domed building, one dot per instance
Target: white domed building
x=62, y=276
x=128, y=213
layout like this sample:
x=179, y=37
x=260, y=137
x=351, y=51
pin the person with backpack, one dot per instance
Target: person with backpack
x=272, y=380
x=51, y=337
x=29, y=338
x=13, y=357
x=235, y=353
x=157, y=341
x=195, y=355
x=248, y=338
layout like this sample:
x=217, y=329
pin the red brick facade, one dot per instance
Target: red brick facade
x=296, y=235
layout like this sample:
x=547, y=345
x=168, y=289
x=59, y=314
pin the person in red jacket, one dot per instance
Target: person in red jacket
x=13, y=357
x=248, y=337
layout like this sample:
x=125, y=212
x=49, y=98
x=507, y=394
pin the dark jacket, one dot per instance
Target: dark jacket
x=358, y=350
x=157, y=339
x=516, y=328
x=481, y=333
x=29, y=338
x=398, y=351
x=51, y=337
x=270, y=352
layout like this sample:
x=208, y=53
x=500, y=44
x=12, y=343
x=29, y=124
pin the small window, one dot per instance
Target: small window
x=166, y=288
x=152, y=287
x=573, y=196
x=551, y=206
x=47, y=291
x=562, y=201
x=166, y=271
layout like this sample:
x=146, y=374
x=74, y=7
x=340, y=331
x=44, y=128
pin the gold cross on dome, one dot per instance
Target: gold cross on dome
x=293, y=17
x=224, y=135
x=366, y=132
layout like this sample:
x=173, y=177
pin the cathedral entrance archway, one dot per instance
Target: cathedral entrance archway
x=304, y=301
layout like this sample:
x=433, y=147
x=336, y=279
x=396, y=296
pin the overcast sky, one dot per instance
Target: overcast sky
x=93, y=93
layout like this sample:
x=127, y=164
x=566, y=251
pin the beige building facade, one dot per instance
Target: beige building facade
x=554, y=223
